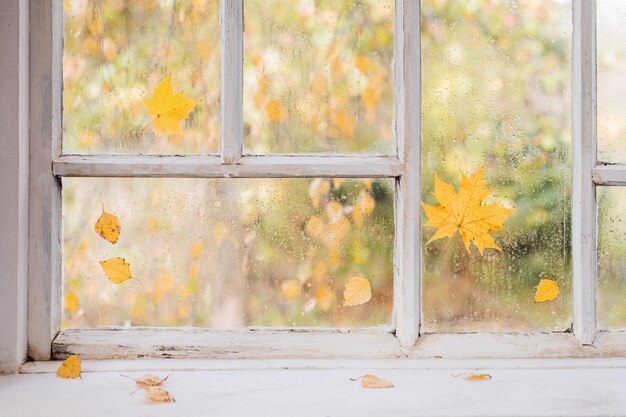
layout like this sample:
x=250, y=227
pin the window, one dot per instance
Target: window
x=312, y=133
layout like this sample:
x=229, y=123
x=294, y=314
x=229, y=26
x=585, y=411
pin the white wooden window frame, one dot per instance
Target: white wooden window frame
x=402, y=338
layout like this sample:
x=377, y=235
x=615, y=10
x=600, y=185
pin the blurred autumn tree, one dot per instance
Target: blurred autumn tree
x=317, y=78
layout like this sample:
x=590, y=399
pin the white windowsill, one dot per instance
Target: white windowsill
x=238, y=388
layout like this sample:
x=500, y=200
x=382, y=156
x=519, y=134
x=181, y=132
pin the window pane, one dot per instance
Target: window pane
x=116, y=53
x=612, y=257
x=611, y=44
x=318, y=76
x=225, y=253
x=496, y=94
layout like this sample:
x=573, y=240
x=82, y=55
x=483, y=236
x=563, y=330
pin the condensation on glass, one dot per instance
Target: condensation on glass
x=318, y=76
x=116, y=52
x=611, y=49
x=226, y=253
x=611, y=257
x=496, y=93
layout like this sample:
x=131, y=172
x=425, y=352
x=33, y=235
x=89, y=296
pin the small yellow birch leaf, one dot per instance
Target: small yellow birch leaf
x=465, y=213
x=70, y=368
x=547, y=290
x=148, y=380
x=108, y=227
x=158, y=395
x=357, y=291
x=117, y=270
x=477, y=377
x=168, y=108
x=372, y=381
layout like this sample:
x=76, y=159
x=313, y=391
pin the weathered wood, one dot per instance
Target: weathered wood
x=323, y=343
x=212, y=167
x=231, y=23
x=242, y=344
x=408, y=257
x=44, y=257
x=609, y=174
x=584, y=255
x=13, y=183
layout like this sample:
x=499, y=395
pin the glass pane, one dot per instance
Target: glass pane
x=115, y=54
x=611, y=41
x=225, y=253
x=496, y=95
x=318, y=76
x=612, y=257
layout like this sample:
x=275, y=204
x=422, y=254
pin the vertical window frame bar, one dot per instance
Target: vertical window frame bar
x=407, y=282
x=231, y=67
x=44, y=242
x=584, y=159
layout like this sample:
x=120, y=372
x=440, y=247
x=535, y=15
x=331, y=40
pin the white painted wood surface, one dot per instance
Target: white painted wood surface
x=44, y=251
x=212, y=167
x=231, y=97
x=408, y=244
x=609, y=174
x=13, y=183
x=311, y=343
x=584, y=255
x=323, y=388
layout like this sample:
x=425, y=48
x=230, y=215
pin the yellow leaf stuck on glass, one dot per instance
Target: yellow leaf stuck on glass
x=168, y=108
x=372, y=381
x=547, y=290
x=357, y=291
x=465, y=212
x=117, y=270
x=70, y=368
x=108, y=227
x=158, y=395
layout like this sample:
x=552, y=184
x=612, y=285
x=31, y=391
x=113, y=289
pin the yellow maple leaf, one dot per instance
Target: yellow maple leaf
x=372, y=381
x=357, y=291
x=70, y=368
x=108, y=226
x=168, y=108
x=547, y=290
x=117, y=270
x=465, y=212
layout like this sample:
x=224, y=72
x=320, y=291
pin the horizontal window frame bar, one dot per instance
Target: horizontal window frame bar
x=325, y=343
x=609, y=174
x=213, y=167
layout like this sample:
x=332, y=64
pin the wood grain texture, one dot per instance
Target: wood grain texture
x=212, y=167
x=231, y=23
x=44, y=257
x=584, y=253
x=321, y=343
x=13, y=183
x=407, y=284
